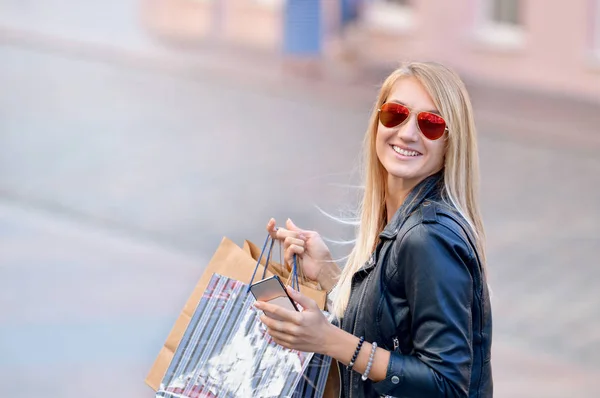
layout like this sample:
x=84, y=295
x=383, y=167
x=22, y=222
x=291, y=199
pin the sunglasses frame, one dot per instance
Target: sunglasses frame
x=410, y=112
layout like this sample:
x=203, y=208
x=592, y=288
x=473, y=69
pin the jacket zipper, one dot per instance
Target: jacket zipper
x=396, y=343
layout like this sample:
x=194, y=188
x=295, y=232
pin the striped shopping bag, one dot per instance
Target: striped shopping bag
x=226, y=352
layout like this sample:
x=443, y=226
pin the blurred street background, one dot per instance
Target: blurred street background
x=134, y=135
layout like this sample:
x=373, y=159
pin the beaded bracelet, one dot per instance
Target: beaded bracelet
x=365, y=376
x=358, y=347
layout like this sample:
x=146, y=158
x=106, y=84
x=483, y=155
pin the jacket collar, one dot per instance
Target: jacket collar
x=429, y=188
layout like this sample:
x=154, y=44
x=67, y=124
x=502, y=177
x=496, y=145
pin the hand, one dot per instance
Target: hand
x=308, y=245
x=307, y=331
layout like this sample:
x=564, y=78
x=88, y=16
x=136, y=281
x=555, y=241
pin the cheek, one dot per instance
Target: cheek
x=437, y=150
x=381, y=140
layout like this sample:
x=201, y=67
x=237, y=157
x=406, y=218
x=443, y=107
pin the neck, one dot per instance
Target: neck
x=397, y=191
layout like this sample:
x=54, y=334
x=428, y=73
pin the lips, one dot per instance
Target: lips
x=405, y=151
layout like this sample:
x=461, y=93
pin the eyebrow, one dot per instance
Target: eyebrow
x=426, y=110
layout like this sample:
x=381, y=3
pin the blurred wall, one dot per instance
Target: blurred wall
x=549, y=46
x=255, y=23
x=553, y=46
x=187, y=20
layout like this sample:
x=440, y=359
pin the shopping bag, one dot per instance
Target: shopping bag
x=229, y=260
x=226, y=352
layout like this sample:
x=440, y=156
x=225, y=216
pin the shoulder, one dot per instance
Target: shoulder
x=433, y=224
x=434, y=241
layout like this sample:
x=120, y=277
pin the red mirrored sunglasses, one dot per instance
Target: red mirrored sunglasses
x=431, y=125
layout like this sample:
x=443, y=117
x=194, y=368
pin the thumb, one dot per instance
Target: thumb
x=289, y=224
x=306, y=302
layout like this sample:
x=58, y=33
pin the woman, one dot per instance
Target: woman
x=412, y=304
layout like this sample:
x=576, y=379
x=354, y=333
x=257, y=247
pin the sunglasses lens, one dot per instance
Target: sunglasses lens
x=392, y=114
x=431, y=125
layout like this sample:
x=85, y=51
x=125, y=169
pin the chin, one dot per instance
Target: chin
x=403, y=169
x=413, y=172
x=404, y=176
x=404, y=173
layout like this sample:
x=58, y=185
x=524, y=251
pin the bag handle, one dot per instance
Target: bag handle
x=269, y=239
x=293, y=279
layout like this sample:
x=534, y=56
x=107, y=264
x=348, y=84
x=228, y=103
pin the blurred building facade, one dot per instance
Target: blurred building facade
x=549, y=46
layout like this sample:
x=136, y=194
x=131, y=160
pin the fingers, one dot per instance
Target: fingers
x=282, y=314
x=293, y=241
x=272, y=228
x=283, y=233
x=293, y=246
x=282, y=339
x=284, y=333
x=283, y=327
x=291, y=230
x=291, y=226
x=306, y=302
x=288, y=254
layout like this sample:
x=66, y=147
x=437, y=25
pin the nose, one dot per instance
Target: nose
x=409, y=132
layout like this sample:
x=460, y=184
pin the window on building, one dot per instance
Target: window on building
x=501, y=23
x=266, y=3
x=391, y=15
x=505, y=12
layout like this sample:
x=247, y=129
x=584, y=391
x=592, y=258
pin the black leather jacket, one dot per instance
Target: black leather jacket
x=423, y=296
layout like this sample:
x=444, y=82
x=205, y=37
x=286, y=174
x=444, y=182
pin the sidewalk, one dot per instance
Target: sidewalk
x=84, y=309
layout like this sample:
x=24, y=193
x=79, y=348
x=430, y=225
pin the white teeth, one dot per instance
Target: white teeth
x=404, y=151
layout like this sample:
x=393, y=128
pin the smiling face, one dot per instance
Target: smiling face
x=405, y=153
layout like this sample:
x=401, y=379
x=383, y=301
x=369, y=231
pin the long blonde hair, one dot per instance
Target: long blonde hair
x=461, y=167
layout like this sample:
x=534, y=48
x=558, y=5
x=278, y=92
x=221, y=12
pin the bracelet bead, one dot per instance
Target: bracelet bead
x=365, y=376
x=356, y=352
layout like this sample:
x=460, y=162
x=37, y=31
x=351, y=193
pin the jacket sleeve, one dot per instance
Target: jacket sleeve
x=432, y=264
